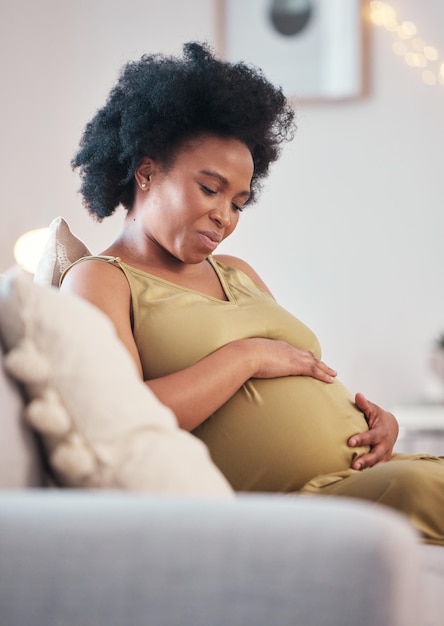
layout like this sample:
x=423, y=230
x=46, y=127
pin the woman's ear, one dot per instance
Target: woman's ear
x=142, y=174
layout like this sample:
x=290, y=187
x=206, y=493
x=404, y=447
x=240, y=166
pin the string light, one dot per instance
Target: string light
x=408, y=44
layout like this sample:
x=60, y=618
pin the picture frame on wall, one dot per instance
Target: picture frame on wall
x=311, y=48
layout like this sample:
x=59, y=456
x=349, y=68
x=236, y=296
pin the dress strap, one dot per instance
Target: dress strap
x=100, y=257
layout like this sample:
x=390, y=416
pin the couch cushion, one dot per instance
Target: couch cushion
x=20, y=462
x=432, y=578
x=100, y=424
x=61, y=249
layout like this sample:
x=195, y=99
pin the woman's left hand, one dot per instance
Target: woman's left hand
x=381, y=436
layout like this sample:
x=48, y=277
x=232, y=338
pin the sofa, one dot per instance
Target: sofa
x=110, y=514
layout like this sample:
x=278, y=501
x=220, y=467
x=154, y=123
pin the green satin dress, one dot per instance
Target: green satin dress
x=285, y=434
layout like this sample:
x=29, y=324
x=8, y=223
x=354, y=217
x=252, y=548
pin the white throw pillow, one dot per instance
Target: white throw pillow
x=100, y=424
x=20, y=462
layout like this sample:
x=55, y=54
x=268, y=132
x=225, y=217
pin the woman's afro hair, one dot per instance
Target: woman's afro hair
x=159, y=102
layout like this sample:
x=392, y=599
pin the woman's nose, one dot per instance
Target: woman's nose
x=222, y=215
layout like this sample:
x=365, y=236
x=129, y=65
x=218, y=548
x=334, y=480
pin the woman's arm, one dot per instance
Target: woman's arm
x=104, y=285
x=195, y=392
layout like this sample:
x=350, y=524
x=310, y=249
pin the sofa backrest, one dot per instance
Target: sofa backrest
x=20, y=460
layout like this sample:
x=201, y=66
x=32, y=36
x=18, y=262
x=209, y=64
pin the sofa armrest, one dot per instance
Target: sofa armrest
x=70, y=558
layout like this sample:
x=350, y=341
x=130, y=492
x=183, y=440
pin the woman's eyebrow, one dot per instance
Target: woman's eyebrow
x=214, y=174
x=223, y=180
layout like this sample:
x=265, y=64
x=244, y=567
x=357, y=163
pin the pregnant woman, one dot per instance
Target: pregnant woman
x=183, y=144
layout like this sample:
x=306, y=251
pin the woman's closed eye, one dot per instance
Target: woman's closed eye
x=212, y=192
x=208, y=191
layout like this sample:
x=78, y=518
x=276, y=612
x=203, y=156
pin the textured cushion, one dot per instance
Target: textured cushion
x=432, y=572
x=20, y=463
x=62, y=249
x=100, y=424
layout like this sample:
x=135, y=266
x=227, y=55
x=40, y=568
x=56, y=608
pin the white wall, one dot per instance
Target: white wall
x=348, y=231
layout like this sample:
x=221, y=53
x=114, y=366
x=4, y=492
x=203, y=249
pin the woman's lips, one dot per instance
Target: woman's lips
x=210, y=239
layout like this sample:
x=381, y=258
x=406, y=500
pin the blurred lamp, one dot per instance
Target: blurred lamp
x=29, y=247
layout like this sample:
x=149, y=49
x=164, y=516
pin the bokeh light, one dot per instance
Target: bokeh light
x=29, y=247
x=407, y=44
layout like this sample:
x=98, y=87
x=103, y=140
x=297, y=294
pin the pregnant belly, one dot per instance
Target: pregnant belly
x=277, y=434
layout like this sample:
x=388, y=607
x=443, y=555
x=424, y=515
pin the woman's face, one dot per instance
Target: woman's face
x=194, y=205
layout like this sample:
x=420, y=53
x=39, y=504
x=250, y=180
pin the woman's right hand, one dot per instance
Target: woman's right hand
x=274, y=358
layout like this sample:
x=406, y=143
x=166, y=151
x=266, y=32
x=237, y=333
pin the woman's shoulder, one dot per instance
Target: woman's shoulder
x=88, y=263
x=243, y=266
x=233, y=261
x=93, y=275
